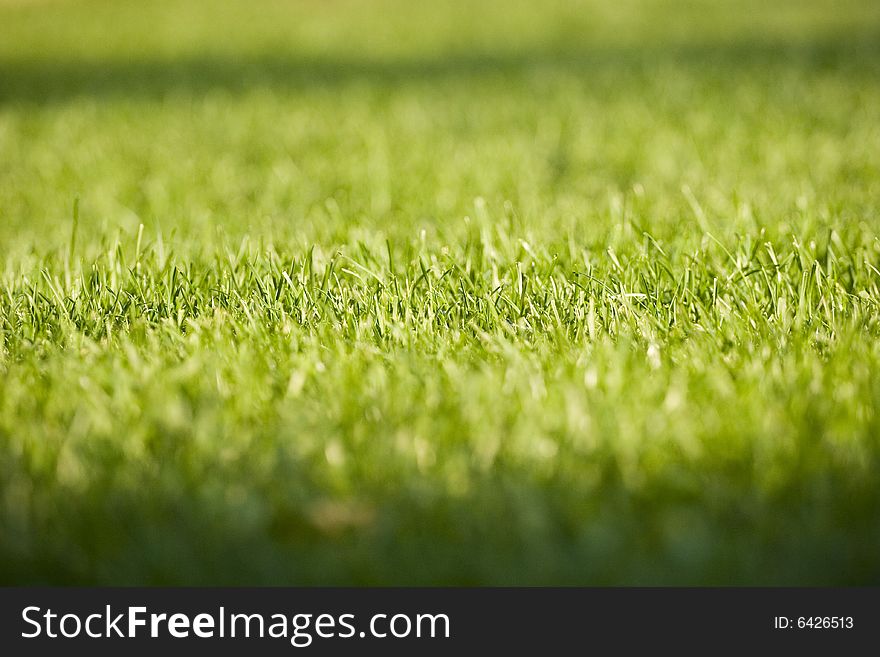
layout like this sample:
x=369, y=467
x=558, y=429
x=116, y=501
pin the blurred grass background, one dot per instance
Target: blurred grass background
x=251, y=116
x=723, y=432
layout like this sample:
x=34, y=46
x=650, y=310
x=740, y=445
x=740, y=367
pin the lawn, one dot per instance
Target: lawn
x=449, y=292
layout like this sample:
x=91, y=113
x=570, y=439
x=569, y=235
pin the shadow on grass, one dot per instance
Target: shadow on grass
x=44, y=81
x=509, y=530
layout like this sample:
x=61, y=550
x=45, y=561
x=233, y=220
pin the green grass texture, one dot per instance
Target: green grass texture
x=442, y=293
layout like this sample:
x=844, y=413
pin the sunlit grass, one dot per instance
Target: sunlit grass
x=463, y=293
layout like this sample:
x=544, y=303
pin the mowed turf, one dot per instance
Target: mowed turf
x=393, y=292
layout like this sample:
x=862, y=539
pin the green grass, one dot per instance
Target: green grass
x=458, y=292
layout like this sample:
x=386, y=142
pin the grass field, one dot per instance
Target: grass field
x=459, y=292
